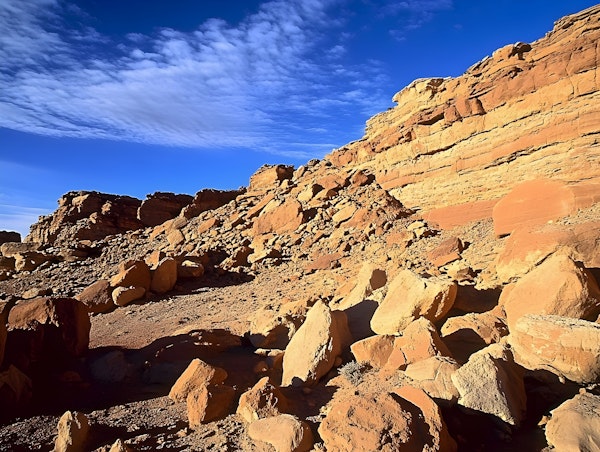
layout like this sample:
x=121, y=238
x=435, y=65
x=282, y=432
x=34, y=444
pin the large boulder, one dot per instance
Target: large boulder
x=562, y=345
x=73, y=432
x=134, y=273
x=374, y=350
x=314, y=348
x=284, y=432
x=490, y=382
x=282, y=219
x=164, y=275
x=196, y=375
x=557, y=287
x=160, y=207
x=575, y=425
x=209, y=403
x=434, y=376
x=409, y=297
x=270, y=176
x=97, y=297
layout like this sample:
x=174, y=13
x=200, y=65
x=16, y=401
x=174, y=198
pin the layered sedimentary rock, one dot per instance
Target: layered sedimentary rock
x=453, y=146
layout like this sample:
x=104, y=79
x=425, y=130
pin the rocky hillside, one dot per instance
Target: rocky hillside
x=431, y=286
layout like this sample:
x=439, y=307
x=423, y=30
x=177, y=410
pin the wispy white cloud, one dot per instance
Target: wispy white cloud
x=248, y=85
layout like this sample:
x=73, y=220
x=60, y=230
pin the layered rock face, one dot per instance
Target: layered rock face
x=453, y=146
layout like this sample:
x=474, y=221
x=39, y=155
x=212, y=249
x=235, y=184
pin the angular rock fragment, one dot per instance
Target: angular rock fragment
x=284, y=432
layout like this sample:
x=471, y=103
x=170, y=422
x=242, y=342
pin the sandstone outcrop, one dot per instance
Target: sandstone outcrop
x=160, y=207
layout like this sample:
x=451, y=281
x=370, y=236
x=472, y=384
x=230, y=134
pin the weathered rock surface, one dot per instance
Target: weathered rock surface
x=313, y=349
x=261, y=401
x=196, y=375
x=284, y=432
x=562, y=345
x=434, y=376
x=374, y=350
x=97, y=297
x=575, y=424
x=209, y=403
x=160, y=207
x=164, y=276
x=409, y=297
x=73, y=432
x=9, y=236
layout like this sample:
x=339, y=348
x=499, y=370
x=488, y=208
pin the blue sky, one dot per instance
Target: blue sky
x=137, y=96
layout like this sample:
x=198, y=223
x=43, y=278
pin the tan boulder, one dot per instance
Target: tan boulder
x=73, y=432
x=274, y=326
x=374, y=350
x=286, y=433
x=409, y=297
x=575, y=424
x=284, y=218
x=314, y=348
x=562, y=345
x=120, y=446
x=190, y=267
x=11, y=249
x=419, y=341
x=369, y=279
x=31, y=260
x=270, y=176
x=164, y=276
x=434, y=376
x=375, y=422
x=132, y=274
x=122, y=296
x=97, y=297
x=68, y=315
x=557, y=287
x=261, y=401
x=209, y=403
x=175, y=238
x=466, y=334
x=538, y=201
x=196, y=375
x=490, y=382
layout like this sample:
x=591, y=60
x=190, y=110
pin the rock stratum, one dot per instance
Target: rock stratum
x=431, y=286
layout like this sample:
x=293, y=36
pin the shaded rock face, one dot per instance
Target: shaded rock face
x=450, y=141
x=85, y=215
x=9, y=236
x=160, y=207
x=209, y=199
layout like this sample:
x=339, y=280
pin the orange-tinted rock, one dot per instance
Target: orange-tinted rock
x=284, y=432
x=209, y=199
x=564, y=346
x=285, y=218
x=447, y=251
x=97, y=297
x=557, y=287
x=369, y=278
x=160, y=207
x=164, y=276
x=575, y=424
x=274, y=326
x=314, y=348
x=209, y=403
x=31, y=260
x=409, y=297
x=270, y=176
x=261, y=401
x=122, y=296
x=374, y=350
x=73, y=432
x=206, y=225
x=538, y=201
x=434, y=376
x=324, y=262
x=197, y=374
x=381, y=422
x=190, y=267
x=132, y=274
x=419, y=341
x=449, y=217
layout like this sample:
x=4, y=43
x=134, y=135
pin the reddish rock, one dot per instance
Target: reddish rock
x=284, y=432
x=122, y=296
x=557, y=287
x=190, y=267
x=538, y=201
x=209, y=199
x=207, y=225
x=374, y=350
x=447, y=251
x=324, y=262
x=97, y=297
x=314, y=348
x=274, y=326
x=409, y=297
x=196, y=375
x=160, y=207
x=285, y=218
x=164, y=276
x=270, y=176
x=31, y=260
x=261, y=401
x=434, y=376
x=575, y=424
x=15, y=393
x=132, y=274
x=5, y=308
x=209, y=403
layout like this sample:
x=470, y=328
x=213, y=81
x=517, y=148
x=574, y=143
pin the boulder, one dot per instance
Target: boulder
x=209, y=403
x=434, y=376
x=314, y=348
x=447, y=251
x=164, y=276
x=190, y=267
x=490, y=382
x=28, y=261
x=5, y=307
x=420, y=340
x=97, y=297
x=285, y=218
x=557, y=287
x=73, y=432
x=62, y=323
x=409, y=297
x=9, y=236
x=11, y=249
x=369, y=278
x=270, y=176
x=209, y=199
x=160, y=207
x=196, y=375
x=132, y=274
x=376, y=422
x=120, y=446
x=286, y=433
x=466, y=334
x=261, y=401
x=122, y=296
x=374, y=350
x=562, y=345
x=575, y=424
x=274, y=326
